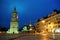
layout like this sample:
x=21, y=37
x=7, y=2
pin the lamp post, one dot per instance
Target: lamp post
x=43, y=22
x=54, y=34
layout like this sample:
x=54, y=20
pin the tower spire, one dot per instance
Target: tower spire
x=14, y=9
x=30, y=23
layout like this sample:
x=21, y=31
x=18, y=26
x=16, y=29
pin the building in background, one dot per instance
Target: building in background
x=28, y=28
x=14, y=23
x=3, y=30
x=25, y=28
x=31, y=27
x=49, y=23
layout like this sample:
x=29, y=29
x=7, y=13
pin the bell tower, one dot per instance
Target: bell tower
x=14, y=23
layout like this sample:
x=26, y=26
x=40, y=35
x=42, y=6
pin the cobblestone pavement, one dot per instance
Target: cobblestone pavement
x=30, y=36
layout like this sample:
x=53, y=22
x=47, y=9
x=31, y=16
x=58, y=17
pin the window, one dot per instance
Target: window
x=58, y=18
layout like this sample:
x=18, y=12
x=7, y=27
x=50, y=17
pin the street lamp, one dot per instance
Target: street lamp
x=43, y=24
x=43, y=21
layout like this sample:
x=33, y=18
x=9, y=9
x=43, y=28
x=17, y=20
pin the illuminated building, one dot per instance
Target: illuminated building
x=25, y=28
x=52, y=21
x=3, y=30
x=14, y=23
x=30, y=27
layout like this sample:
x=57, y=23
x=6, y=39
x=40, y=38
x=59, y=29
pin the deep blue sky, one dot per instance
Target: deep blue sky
x=28, y=10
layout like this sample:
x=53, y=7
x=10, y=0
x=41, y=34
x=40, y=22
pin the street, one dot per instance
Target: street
x=30, y=36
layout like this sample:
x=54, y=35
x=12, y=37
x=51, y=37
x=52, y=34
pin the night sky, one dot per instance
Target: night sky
x=28, y=10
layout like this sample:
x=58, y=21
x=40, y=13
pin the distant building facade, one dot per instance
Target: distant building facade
x=31, y=27
x=28, y=28
x=25, y=28
x=52, y=21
